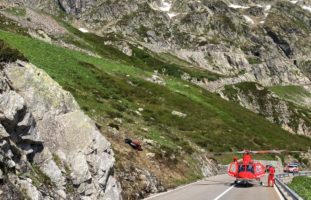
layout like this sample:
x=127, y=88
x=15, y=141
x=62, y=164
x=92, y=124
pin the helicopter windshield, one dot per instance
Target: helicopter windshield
x=242, y=168
x=248, y=168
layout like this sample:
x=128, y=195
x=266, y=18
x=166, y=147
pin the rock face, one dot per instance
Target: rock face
x=208, y=166
x=46, y=139
x=213, y=35
x=139, y=183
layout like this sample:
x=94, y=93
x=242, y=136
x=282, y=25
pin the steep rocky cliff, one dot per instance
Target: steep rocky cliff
x=49, y=148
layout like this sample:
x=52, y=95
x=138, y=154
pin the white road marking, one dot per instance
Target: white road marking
x=173, y=190
x=222, y=194
x=278, y=192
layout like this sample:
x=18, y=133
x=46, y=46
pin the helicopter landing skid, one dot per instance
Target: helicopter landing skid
x=248, y=182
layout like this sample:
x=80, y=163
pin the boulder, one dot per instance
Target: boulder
x=179, y=114
x=40, y=91
x=12, y=106
x=46, y=126
x=3, y=133
x=31, y=192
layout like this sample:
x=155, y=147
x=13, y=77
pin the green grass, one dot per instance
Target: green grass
x=106, y=89
x=291, y=90
x=16, y=11
x=189, y=177
x=228, y=158
x=38, y=177
x=305, y=67
x=115, y=86
x=263, y=97
x=142, y=58
x=57, y=160
x=254, y=60
x=7, y=24
x=166, y=64
x=302, y=186
x=8, y=54
x=161, y=139
x=296, y=94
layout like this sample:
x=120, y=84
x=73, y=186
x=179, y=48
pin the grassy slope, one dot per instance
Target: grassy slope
x=296, y=94
x=143, y=59
x=103, y=90
x=302, y=185
x=263, y=99
x=115, y=86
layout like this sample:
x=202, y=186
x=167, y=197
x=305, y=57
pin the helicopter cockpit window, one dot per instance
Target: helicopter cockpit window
x=233, y=168
x=250, y=168
x=242, y=168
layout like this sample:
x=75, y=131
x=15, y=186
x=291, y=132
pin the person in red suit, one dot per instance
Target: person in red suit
x=271, y=176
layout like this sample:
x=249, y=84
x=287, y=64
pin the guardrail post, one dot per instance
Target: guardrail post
x=283, y=188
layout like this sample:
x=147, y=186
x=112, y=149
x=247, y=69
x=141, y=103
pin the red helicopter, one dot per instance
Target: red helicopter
x=246, y=169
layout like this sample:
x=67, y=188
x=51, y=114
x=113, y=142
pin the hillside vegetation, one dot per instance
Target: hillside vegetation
x=108, y=89
x=302, y=186
x=119, y=93
x=295, y=94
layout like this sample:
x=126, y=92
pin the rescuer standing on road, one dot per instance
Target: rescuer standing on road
x=271, y=176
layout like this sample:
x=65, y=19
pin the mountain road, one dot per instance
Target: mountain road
x=220, y=187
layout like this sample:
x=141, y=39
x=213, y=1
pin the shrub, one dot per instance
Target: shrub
x=8, y=54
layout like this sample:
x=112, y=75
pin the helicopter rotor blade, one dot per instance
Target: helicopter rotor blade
x=255, y=152
x=274, y=151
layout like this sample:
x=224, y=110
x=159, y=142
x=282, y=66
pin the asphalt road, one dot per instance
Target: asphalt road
x=220, y=187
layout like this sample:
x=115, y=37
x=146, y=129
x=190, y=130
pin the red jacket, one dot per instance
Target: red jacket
x=271, y=171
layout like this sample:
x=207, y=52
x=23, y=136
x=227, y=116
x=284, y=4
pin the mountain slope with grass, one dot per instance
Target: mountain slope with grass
x=301, y=185
x=214, y=43
x=135, y=90
x=283, y=105
x=49, y=148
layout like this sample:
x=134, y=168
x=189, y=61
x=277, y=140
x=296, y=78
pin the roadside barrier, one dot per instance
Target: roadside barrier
x=286, y=192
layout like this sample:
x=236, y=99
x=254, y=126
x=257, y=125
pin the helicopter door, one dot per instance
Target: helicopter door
x=233, y=169
x=259, y=170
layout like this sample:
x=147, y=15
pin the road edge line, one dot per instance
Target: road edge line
x=172, y=190
x=278, y=192
x=222, y=194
